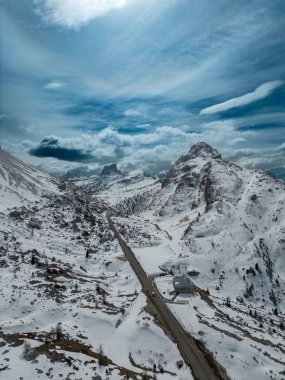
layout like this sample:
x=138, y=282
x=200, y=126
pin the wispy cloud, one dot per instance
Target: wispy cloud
x=73, y=14
x=54, y=85
x=259, y=93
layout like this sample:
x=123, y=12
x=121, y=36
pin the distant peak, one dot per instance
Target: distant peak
x=110, y=170
x=202, y=149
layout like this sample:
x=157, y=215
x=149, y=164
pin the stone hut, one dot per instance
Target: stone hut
x=183, y=284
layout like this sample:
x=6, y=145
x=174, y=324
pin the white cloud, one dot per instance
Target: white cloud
x=281, y=147
x=74, y=13
x=163, y=145
x=259, y=93
x=143, y=126
x=54, y=85
x=238, y=140
x=132, y=112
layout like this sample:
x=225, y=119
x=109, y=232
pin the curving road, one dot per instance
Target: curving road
x=185, y=343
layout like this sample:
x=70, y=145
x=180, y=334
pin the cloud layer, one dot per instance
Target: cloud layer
x=157, y=149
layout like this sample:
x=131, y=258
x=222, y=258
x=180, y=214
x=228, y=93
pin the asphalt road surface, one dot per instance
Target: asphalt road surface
x=185, y=343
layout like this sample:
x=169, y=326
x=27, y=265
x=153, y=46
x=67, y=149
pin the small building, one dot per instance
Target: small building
x=183, y=284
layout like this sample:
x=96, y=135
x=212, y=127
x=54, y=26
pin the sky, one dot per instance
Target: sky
x=86, y=83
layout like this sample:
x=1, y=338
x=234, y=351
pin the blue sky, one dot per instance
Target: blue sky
x=137, y=82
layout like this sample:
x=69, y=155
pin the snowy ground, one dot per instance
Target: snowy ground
x=46, y=279
x=245, y=336
x=67, y=290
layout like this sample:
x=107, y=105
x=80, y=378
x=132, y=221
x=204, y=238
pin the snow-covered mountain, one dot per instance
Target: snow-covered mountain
x=221, y=211
x=69, y=298
x=210, y=227
x=228, y=214
x=225, y=226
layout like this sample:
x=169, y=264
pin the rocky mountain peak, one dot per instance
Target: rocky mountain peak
x=192, y=163
x=203, y=150
x=109, y=170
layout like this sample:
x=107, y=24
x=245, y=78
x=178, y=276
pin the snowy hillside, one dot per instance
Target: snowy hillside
x=20, y=183
x=223, y=227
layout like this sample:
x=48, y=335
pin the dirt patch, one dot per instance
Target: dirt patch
x=50, y=349
x=219, y=370
x=154, y=370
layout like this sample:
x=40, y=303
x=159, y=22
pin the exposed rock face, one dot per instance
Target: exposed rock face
x=186, y=164
x=202, y=149
x=77, y=173
x=200, y=178
x=111, y=169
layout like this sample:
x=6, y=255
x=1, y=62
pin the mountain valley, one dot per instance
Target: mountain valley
x=210, y=237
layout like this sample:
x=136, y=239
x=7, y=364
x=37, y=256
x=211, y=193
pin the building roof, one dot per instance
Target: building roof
x=183, y=282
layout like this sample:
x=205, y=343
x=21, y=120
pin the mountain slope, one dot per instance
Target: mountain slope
x=19, y=182
x=223, y=211
x=224, y=229
x=66, y=292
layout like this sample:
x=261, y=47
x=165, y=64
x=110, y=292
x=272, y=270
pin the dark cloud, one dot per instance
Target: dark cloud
x=52, y=147
x=278, y=172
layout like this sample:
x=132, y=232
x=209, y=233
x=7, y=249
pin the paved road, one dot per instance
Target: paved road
x=186, y=345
